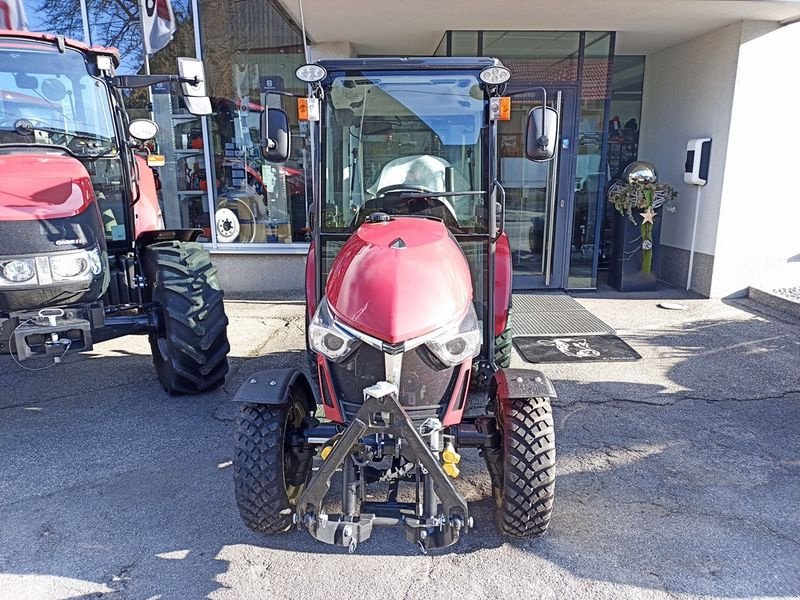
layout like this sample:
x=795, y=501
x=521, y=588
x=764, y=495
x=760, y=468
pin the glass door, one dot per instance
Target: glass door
x=538, y=195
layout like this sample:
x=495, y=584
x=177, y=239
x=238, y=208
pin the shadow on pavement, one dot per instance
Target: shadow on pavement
x=685, y=483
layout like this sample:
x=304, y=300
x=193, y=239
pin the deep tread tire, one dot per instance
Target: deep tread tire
x=525, y=498
x=191, y=353
x=503, y=346
x=259, y=468
x=502, y=354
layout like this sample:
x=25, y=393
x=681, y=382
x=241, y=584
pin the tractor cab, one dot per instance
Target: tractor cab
x=408, y=291
x=84, y=252
x=415, y=137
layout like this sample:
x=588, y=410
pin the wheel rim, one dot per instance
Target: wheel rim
x=293, y=422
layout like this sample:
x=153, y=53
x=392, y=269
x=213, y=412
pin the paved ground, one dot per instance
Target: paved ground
x=678, y=477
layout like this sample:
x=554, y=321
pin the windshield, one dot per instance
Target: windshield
x=49, y=97
x=392, y=141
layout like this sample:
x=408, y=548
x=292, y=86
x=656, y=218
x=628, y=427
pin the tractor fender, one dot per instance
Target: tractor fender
x=147, y=210
x=272, y=387
x=508, y=384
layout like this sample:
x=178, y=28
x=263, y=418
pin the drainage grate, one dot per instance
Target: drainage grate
x=576, y=322
x=554, y=314
x=544, y=303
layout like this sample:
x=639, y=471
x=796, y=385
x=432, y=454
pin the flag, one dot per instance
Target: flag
x=158, y=24
x=12, y=15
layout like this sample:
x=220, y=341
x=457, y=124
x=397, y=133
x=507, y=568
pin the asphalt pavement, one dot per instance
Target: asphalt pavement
x=677, y=476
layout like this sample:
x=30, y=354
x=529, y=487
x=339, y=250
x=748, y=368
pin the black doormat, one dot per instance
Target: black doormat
x=579, y=348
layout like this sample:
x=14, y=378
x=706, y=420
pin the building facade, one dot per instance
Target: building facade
x=631, y=78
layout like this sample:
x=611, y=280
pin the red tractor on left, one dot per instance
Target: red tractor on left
x=84, y=255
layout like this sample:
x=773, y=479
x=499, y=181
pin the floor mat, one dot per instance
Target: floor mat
x=594, y=348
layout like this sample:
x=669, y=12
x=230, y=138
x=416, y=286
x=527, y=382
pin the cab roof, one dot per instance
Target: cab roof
x=401, y=63
x=7, y=35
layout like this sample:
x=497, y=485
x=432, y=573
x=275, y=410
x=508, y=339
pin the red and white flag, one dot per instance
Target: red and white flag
x=12, y=15
x=158, y=24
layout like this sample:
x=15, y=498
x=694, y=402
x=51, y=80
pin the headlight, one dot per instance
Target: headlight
x=76, y=266
x=459, y=343
x=69, y=266
x=326, y=338
x=19, y=270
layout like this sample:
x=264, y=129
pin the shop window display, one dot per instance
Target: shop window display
x=251, y=55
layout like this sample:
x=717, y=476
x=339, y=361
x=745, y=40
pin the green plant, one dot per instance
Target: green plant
x=646, y=196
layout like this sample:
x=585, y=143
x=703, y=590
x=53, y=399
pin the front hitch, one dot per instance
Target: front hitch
x=381, y=413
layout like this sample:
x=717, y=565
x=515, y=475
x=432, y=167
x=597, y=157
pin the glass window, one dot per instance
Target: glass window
x=389, y=136
x=535, y=56
x=590, y=171
x=623, y=132
x=463, y=43
x=251, y=54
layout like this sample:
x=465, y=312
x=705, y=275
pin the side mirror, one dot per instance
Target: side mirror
x=541, y=134
x=193, y=85
x=275, y=137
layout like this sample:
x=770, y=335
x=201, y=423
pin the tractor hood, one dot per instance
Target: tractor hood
x=399, y=279
x=43, y=186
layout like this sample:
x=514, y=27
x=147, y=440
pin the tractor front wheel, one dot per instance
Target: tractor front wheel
x=190, y=350
x=269, y=473
x=525, y=487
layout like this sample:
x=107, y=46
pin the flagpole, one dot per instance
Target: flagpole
x=87, y=37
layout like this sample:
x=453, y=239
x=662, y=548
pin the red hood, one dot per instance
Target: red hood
x=43, y=186
x=399, y=293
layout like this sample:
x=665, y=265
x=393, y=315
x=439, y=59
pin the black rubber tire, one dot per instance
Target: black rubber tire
x=190, y=353
x=503, y=346
x=260, y=469
x=502, y=355
x=525, y=496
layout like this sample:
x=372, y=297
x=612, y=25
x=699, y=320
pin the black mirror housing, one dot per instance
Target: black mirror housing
x=275, y=136
x=541, y=134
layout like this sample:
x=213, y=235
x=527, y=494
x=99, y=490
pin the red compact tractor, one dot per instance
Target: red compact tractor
x=84, y=255
x=408, y=290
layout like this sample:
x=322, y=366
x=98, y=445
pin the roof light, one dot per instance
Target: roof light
x=104, y=62
x=311, y=73
x=495, y=75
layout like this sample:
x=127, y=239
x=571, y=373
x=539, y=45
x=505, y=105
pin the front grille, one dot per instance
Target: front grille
x=425, y=385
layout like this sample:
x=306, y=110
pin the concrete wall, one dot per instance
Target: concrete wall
x=688, y=93
x=758, y=240
x=255, y=275
x=737, y=86
x=332, y=50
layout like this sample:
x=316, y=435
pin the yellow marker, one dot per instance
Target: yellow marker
x=326, y=452
x=156, y=160
x=450, y=456
x=451, y=469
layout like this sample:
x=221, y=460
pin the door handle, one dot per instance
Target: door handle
x=551, y=216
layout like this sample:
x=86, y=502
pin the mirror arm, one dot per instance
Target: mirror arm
x=142, y=81
x=543, y=140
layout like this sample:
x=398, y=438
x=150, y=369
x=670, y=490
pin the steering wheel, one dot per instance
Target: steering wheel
x=404, y=187
x=431, y=206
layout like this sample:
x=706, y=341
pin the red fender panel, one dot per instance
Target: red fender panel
x=147, y=210
x=502, y=283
